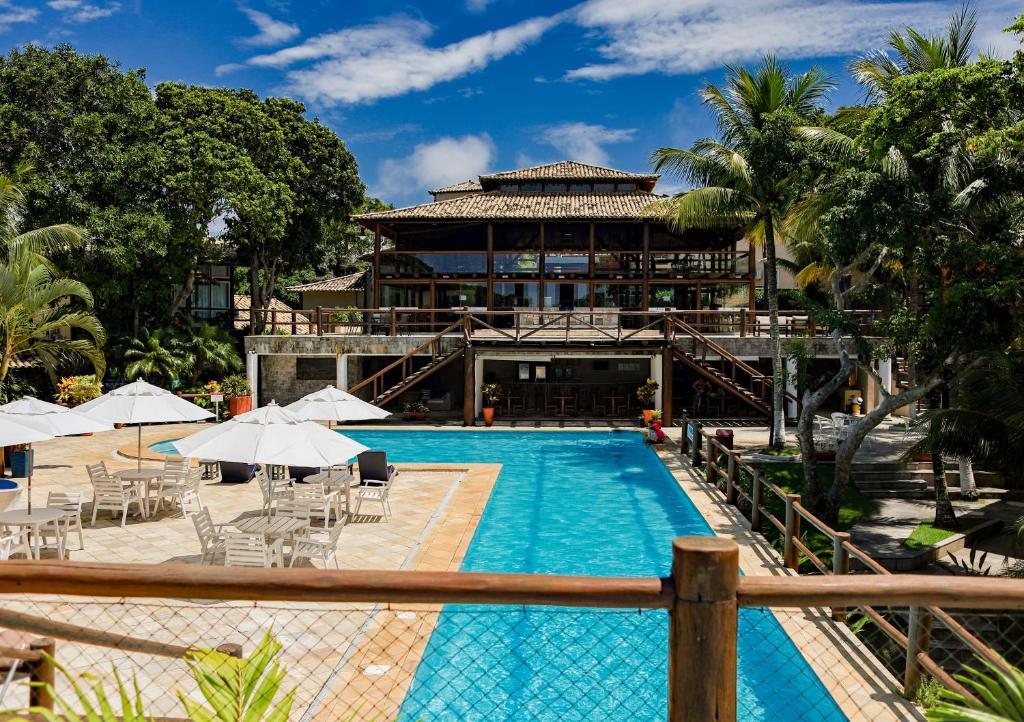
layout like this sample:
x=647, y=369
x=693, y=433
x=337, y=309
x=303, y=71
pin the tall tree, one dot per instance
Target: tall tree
x=749, y=177
x=92, y=132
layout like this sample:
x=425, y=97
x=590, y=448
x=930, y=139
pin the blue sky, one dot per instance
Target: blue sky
x=427, y=93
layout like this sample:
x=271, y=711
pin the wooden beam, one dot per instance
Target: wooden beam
x=376, y=266
x=647, y=267
x=189, y=581
x=490, y=266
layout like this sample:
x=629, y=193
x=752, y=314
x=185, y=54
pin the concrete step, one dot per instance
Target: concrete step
x=928, y=493
x=891, y=485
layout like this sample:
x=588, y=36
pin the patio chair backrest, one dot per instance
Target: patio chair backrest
x=109, y=488
x=176, y=468
x=245, y=550
x=373, y=466
x=204, y=524
x=334, y=534
x=293, y=509
x=194, y=478
x=64, y=500
x=97, y=471
x=312, y=493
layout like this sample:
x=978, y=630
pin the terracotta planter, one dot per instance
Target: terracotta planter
x=488, y=415
x=240, y=404
x=414, y=415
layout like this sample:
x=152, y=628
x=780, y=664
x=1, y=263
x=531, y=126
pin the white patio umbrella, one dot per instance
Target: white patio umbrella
x=140, y=403
x=271, y=435
x=52, y=418
x=13, y=433
x=331, y=404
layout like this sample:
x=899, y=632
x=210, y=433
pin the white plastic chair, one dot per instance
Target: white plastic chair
x=252, y=550
x=182, y=490
x=322, y=546
x=111, y=495
x=70, y=502
x=320, y=501
x=14, y=541
x=273, y=490
x=378, y=494
x=211, y=536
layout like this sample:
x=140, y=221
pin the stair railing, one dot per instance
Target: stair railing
x=433, y=345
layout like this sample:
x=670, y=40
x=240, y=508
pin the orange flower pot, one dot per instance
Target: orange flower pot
x=240, y=404
x=488, y=415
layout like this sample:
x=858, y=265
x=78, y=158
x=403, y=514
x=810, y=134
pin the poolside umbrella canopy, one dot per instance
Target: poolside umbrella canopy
x=141, y=403
x=13, y=433
x=52, y=418
x=270, y=435
x=331, y=404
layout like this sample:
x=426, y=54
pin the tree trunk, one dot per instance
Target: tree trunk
x=808, y=457
x=256, y=301
x=968, y=487
x=945, y=515
x=771, y=288
x=185, y=292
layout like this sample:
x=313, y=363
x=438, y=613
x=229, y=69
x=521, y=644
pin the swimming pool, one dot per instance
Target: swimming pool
x=163, y=447
x=593, y=503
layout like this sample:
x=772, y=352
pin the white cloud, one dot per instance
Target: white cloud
x=431, y=165
x=228, y=68
x=995, y=16
x=79, y=11
x=390, y=57
x=585, y=142
x=690, y=36
x=477, y=6
x=11, y=14
x=271, y=30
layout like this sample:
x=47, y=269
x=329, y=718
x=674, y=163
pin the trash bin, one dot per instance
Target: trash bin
x=724, y=437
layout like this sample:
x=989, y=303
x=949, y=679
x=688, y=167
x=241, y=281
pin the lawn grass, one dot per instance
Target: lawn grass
x=927, y=535
x=855, y=507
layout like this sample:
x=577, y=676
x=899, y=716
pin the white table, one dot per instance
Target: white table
x=141, y=478
x=32, y=520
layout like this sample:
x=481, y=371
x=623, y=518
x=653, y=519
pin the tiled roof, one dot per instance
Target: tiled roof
x=464, y=186
x=567, y=170
x=351, y=282
x=495, y=205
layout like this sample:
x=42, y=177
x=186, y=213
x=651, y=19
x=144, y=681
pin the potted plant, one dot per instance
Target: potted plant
x=76, y=390
x=238, y=392
x=415, y=411
x=492, y=395
x=655, y=416
x=646, y=393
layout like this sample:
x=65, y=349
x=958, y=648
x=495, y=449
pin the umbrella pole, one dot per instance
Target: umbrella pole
x=138, y=455
x=30, y=465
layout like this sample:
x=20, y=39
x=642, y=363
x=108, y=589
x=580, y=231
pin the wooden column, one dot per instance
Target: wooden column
x=376, y=266
x=790, y=555
x=732, y=479
x=752, y=276
x=469, y=389
x=919, y=638
x=666, y=384
x=43, y=672
x=755, y=501
x=647, y=267
x=490, y=266
x=702, y=630
x=695, y=459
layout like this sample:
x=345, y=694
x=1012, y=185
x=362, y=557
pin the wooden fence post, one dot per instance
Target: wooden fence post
x=840, y=565
x=319, y=321
x=733, y=479
x=42, y=672
x=711, y=470
x=919, y=639
x=790, y=555
x=702, y=630
x=683, y=442
x=755, y=501
x=695, y=461
x=394, y=322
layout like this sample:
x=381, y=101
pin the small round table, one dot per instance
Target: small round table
x=210, y=468
x=34, y=519
x=143, y=478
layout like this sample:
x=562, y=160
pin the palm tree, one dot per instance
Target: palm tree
x=155, y=355
x=43, y=315
x=736, y=185
x=916, y=52
x=211, y=350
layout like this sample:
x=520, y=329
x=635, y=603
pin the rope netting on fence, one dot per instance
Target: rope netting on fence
x=380, y=662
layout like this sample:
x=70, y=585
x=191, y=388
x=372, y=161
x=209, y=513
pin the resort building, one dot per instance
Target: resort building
x=560, y=283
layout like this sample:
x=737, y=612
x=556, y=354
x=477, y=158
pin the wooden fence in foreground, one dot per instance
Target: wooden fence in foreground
x=722, y=470
x=703, y=596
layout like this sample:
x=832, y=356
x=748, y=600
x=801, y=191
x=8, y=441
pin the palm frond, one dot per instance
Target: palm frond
x=710, y=207
x=830, y=140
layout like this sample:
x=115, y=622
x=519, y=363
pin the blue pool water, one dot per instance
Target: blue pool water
x=590, y=503
x=164, y=447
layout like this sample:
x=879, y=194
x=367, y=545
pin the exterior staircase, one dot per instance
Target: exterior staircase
x=729, y=372
x=912, y=480
x=401, y=375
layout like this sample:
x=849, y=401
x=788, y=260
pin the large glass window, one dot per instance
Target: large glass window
x=516, y=236
x=604, y=187
x=555, y=188
x=509, y=187
x=618, y=265
x=531, y=187
x=567, y=236
x=456, y=295
x=516, y=295
x=627, y=187
x=580, y=188
x=442, y=237
x=516, y=263
x=724, y=296
x=433, y=264
x=566, y=296
x=565, y=264
x=618, y=236
x=618, y=295
x=680, y=296
x=406, y=295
